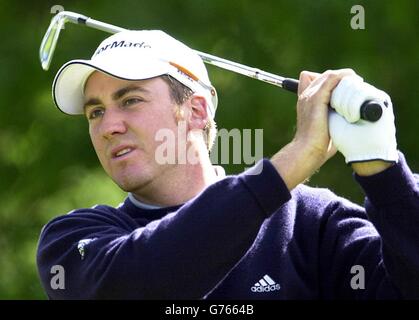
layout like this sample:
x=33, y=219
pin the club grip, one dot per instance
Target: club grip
x=290, y=84
x=371, y=110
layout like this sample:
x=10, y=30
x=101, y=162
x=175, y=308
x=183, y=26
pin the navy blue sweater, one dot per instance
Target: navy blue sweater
x=244, y=237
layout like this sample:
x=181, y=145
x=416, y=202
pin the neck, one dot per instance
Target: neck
x=180, y=183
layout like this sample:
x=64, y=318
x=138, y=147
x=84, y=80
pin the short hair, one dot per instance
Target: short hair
x=179, y=93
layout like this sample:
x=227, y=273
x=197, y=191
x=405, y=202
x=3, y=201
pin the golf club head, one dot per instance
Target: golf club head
x=49, y=42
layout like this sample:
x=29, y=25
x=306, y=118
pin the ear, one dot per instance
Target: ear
x=198, y=112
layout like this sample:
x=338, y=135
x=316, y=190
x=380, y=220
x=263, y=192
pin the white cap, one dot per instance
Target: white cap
x=134, y=55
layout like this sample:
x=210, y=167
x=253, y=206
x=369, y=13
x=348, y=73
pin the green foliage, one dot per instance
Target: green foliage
x=47, y=164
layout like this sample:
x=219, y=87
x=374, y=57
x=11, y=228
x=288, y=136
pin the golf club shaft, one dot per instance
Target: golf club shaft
x=370, y=110
x=207, y=58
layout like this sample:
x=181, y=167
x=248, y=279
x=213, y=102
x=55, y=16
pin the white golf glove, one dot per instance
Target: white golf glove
x=360, y=140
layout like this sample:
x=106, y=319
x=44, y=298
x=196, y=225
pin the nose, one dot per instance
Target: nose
x=113, y=123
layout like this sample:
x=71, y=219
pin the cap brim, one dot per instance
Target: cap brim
x=68, y=85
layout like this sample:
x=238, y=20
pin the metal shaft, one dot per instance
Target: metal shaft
x=51, y=37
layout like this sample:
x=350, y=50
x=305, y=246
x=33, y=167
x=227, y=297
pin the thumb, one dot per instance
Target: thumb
x=306, y=77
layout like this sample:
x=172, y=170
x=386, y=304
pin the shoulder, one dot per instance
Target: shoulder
x=320, y=197
x=97, y=212
x=322, y=216
x=321, y=206
x=98, y=216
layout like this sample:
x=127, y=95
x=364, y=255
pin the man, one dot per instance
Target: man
x=187, y=232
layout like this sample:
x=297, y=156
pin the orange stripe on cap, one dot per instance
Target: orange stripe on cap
x=184, y=70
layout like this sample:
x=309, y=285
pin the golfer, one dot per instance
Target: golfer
x=187, y=231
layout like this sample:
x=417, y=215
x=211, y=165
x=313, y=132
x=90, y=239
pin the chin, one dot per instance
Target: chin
x=131, y=183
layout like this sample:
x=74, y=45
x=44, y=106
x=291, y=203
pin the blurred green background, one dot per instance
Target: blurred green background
x=47, y=164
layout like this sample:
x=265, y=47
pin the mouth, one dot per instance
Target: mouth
x=122, y=152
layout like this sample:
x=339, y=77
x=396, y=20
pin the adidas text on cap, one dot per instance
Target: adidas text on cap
x=134, y=55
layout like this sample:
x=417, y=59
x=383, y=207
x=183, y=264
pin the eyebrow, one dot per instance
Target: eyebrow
x=116, y=95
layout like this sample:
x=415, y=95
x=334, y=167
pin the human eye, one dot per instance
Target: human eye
x=131, y=101
x=94, y=113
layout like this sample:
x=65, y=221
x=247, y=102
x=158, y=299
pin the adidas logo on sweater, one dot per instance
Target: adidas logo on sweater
x=266, y=284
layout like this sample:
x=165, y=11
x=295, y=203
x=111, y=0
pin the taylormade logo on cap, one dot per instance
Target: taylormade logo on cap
x=124, y=44
x=134, y=55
